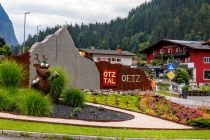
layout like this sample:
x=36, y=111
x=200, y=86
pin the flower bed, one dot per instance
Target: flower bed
x=160, y=107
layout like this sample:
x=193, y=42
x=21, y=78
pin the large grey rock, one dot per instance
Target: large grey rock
x=61, y=51
x=6, y=28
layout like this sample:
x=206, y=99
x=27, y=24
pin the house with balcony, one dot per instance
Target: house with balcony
x=113, y=56
x=194, y=55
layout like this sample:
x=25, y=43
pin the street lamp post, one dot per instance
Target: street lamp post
x=24, y=34
x=37, y=35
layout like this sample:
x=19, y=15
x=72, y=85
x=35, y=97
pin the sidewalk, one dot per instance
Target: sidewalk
x=140, y=121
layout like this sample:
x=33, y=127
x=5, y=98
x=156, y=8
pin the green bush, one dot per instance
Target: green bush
x=58, y=84
x=182, y=76
x=73, y=98
x=101, y=108
x=92, y=111
x=5, y=50
x=33, y=103
x=74, y=115
x=200, y=122
x=11, y=74
x=77, y=109
x=6, y=101
x=185, y=88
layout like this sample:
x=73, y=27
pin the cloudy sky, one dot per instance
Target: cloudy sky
x=49, y=13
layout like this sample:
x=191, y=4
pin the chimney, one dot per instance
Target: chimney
x=119, y=50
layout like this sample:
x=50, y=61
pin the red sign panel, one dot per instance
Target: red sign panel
x=109, y=77
x=119, y=77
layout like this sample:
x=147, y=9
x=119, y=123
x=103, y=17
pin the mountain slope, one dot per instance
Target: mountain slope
x=146, y=24
x=6, y=28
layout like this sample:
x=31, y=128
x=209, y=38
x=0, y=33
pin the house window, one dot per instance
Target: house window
x=178, y=50
x=105, y=59
x=185, y=49
x=206, y=74
x=206, y=60
x=154, y=52
x=187, y=60
x=98, y=59
x=170, y=50
x=178, y=60
x=161, y=51
x=118, y=60
x=113, y=59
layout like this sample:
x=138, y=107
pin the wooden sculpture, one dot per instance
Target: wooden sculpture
x=41, y=82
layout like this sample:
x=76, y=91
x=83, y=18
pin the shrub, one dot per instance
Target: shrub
x=92, y=111
x=6, y=101
x=11, y=74
x=74, y=115
x=58, y=84
x=73, y=98
x=200, y=122
x=5, y=50
x=77, y=109
x=101, y=108
x=185, y=88
x=33, y=103
x=182, y=76
x=75, y=112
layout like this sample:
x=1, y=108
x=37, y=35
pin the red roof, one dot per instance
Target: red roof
x=188, y=44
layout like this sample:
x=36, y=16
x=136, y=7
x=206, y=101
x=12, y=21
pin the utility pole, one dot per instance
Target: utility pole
x=24, y=34
x=37, y=34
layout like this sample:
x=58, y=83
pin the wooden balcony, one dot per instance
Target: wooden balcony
x=175, y=55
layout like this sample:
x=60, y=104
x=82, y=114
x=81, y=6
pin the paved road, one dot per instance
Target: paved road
x=139, y=121
x=199, y=98
x=17, y=138
x=190, y=102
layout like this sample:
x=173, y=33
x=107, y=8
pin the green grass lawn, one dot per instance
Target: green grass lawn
x=122, y=101
x=167, y=93
x=122, y=133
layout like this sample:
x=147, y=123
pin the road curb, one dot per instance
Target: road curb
x=53, y=136
x=72, y=137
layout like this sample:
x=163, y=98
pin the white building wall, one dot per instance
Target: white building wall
x=125, y=60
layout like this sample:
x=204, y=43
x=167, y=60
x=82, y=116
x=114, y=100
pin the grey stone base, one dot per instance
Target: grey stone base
x=70, y=137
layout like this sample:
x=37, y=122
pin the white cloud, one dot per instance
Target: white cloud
x=53, y=12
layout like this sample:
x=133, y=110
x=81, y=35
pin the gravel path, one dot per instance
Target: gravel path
x=89, y=113
x=140, y=121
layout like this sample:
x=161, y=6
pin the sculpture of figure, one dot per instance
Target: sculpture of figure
x=41, y=82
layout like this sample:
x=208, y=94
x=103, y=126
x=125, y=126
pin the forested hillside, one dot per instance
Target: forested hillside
x=144, y=25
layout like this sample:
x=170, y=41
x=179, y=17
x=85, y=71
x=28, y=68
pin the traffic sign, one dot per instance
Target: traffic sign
x=171, y=75
x=171, y=66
